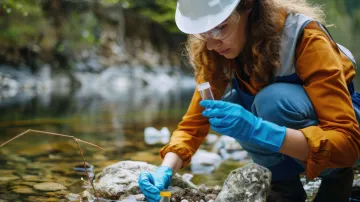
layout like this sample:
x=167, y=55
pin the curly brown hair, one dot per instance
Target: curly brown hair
x=262, y=49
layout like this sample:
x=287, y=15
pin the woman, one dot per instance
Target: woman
x=292, y=103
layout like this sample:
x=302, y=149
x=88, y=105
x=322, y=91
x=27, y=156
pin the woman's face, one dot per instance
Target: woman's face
x=231, y=46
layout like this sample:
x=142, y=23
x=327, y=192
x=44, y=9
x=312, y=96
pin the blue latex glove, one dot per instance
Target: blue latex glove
x=233, y=120
x=151, y=183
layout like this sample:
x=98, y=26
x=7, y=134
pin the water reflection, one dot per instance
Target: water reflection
x=109, y=110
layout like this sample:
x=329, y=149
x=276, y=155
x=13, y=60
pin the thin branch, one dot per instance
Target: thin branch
x=94, y=145
x=82, y=155
x=49, y=133
x=21, y=134
x=61, y=135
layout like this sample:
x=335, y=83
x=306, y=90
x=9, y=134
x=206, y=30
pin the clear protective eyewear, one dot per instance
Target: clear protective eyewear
x=221, y=31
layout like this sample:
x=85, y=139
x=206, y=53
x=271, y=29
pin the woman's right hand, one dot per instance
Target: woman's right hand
x=151, y=183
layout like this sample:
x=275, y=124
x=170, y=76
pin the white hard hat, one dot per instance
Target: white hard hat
x=198, y=16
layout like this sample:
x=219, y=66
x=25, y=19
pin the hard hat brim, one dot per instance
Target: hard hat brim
x=205, y=18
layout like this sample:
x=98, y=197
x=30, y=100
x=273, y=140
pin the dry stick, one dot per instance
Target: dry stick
x=21, y=134
x=49, y=133
x=67, y=136
x=82, y=155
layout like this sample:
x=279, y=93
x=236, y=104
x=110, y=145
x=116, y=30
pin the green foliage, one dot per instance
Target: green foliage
x=17, y=19
x=28, y=22
x=21, y=7
x=345, y=16
x=80, y=29
x=162, y=12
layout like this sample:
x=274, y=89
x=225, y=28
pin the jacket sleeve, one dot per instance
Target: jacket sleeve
x=190, y=133
x=321, y=66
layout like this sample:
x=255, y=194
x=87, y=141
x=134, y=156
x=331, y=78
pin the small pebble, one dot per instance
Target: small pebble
x=210, y=197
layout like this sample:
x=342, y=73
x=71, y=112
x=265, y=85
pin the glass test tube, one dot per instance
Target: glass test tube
x=165, y=195
x=205, y=91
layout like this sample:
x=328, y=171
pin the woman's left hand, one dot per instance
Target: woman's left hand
x=233, y=120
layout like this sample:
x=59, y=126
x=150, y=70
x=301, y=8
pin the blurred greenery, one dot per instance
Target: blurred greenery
x=15, y=18
x=345, y=16
x=68, y=26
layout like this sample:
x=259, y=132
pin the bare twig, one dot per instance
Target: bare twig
x=82, y=155
x=61, y=135
x=48, y=133
x=21, y=134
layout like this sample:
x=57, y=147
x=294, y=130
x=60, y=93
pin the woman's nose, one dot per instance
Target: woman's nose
x=212, y=44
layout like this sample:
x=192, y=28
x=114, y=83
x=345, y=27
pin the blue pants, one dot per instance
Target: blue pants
x=286, y=105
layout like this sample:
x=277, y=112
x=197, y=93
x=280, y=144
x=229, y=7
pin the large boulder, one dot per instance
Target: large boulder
x=120, y=181
x=250, y=183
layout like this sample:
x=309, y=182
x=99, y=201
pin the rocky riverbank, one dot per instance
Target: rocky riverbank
x=119, y=182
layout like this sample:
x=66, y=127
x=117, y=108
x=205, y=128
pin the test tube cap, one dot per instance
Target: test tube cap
x=165, y=193
x=203, y=86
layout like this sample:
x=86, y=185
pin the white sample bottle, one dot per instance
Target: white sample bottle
x=205, y=91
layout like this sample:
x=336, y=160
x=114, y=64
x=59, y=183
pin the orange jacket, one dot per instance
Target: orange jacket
x=325, y=72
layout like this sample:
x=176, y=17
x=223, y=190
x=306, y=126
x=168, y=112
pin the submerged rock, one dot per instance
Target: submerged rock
x=8, y=178
x=49, y=186
x=72, y=197
x=23, y=190
x=34, y=178
x=250, y=183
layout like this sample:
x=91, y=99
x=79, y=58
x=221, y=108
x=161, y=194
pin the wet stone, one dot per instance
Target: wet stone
x=188, y=194
x=34, y=166
x=80, y=174
x=49, y=186
x=23, y=190
x=10, y=197
x=72, y=197
x=100, y=157
x=57, y=193
x=216, y=190
x=17, y=158
x=18, y=183
x=66, y=148
x=68, y=182
x=41, y=199
x=6, y=172
x=33, y=178
x=8, y=178
x=210, y=197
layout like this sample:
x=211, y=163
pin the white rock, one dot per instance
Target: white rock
x=153, y=136
x=211, y=138
x=204, y=162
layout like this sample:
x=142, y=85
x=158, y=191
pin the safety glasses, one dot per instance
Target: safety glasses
x=223, y=30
